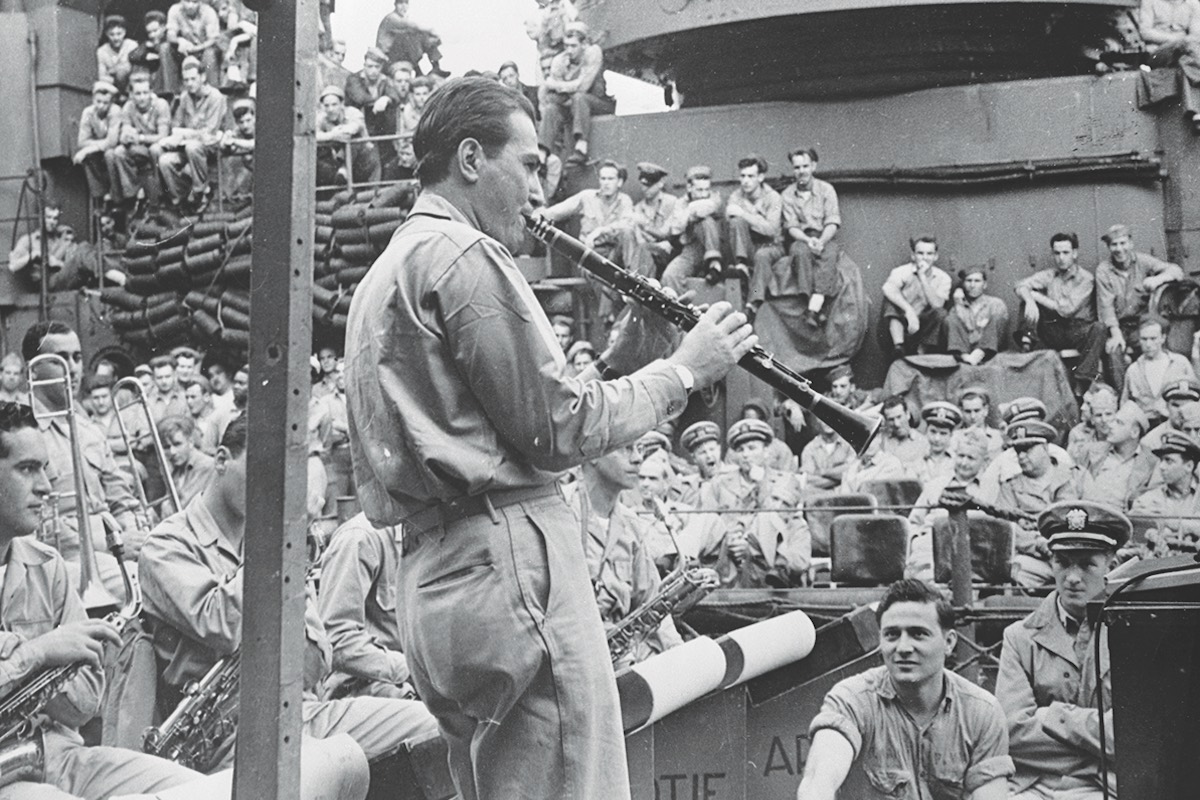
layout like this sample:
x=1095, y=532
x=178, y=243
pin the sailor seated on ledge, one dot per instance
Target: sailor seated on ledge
x=911, y=728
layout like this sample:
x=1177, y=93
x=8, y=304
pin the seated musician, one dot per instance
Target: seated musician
x=191, y=468
x=191, y=573
x=1047, y=679
x=45, y=627
x=623, y=575
x=107, y=488
x=357, y=601
x=911, y=728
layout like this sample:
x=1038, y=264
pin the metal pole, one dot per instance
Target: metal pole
x=960, y=585
x=268, y=748
x=44, y=289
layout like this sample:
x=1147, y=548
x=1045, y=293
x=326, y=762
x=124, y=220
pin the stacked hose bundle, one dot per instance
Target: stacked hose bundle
x=188, y=281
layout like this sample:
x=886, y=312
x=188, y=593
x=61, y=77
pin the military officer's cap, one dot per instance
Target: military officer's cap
x=749, y=430
x=942, y=414
x=1083, y=525
x=1029, y=432
x=652, y=441
x=1176, y=442
x=1024, y=408
x=699, y=172
x=698, y=433
x=652, y=172
x=1186, y=389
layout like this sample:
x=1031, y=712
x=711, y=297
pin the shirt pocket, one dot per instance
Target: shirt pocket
x=949, y=773
x=894, y=784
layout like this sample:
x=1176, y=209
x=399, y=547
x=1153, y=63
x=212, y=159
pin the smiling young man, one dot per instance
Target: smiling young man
x=463, y=417
x=911, y=728
x=1047, y=678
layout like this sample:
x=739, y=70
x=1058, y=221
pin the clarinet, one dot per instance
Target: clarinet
x=857, y=429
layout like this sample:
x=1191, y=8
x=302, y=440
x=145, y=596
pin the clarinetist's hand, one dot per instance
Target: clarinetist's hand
x=716, y=344
x=73, y=642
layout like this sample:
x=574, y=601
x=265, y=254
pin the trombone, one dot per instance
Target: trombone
x=90, y=589
x=160, y=454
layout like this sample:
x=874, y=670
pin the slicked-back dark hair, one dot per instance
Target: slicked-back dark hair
x=911, y=590
x=234, y=438
x=31, y=345
x=13, y=417
x=804, y=151
x=464, y=108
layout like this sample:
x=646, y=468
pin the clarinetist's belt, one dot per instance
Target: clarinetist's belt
x=463, y=507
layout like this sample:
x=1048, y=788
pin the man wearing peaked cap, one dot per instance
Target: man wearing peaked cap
x=1175, y=396
x=1040, y=482
x=749, y=430
x=702, y=441
x=1047, y=678
x=651, y=232
x=651, y=442
x=1114, y=474
x=941, y=420
x=1006, y=465
x=1174, y=499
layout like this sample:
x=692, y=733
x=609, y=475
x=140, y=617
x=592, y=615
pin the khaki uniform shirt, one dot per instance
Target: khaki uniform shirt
x=764, y=213
x=191, y=577
x=811, y=210
x=594, y=211
x=650, y=220
x=1072, y=294
x=823, y=466
x=1119, y=292
x=456, y=384
x=357, y=601
x=931, y=290
x=964, y=746
x=37, y=597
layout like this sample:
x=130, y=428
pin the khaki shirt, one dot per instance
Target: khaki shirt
x=36, y=598
x=622, y=574
x=651, y=221
x=823, y=466
x=594, y=211
x=812, y=210
x=964, y=746
x=191, y=577
x=357, y=601
x=107, y=487
x=1119, y=291
x=1072, y=294
x=456, y=384
x=764, y=214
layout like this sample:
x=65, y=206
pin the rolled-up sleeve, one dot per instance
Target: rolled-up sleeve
x=842, y=711
x=989, y=758
x=182, y=590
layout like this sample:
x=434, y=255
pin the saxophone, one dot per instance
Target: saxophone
x=196, y=733
x=679, y=591
x=22, y=754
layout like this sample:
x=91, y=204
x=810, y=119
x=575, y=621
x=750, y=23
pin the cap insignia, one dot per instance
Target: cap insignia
x=1077, y=519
